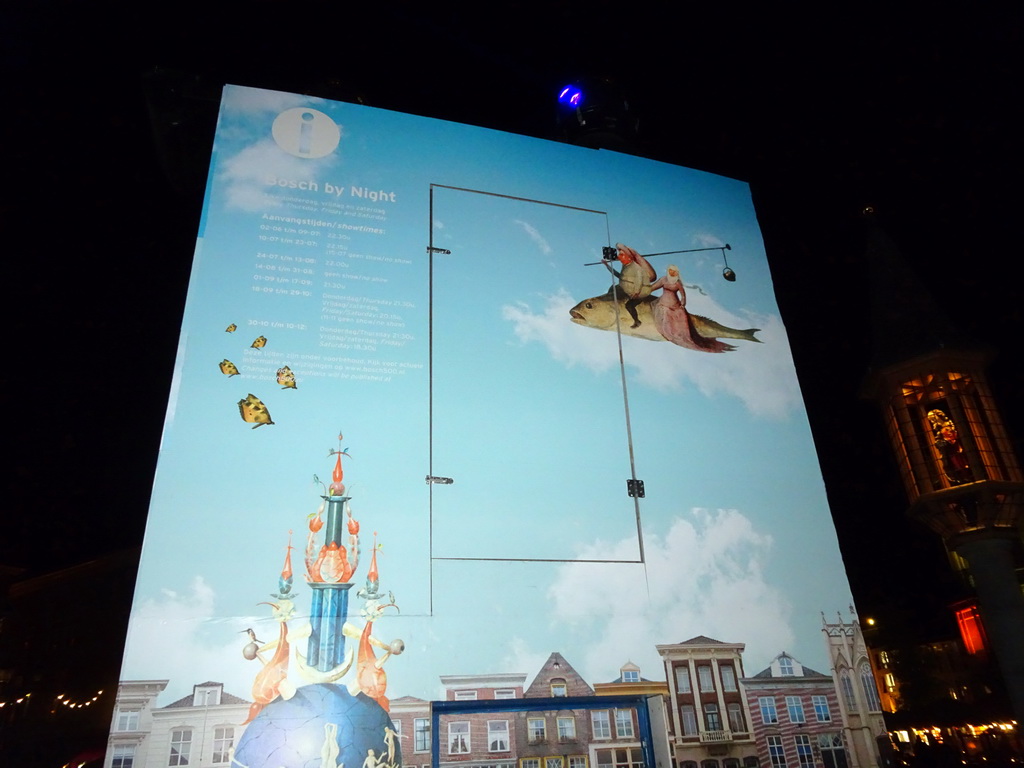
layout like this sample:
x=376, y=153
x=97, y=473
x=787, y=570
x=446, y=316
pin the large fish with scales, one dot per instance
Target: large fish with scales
x=599, y=312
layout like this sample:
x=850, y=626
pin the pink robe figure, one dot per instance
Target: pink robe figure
x=673, y=321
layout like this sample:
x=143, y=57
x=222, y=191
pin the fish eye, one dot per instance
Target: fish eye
x=590, y=305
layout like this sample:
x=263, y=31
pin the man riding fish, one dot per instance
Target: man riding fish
x=634, y=280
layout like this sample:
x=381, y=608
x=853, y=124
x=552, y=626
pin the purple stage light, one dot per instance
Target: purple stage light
x=570, y=95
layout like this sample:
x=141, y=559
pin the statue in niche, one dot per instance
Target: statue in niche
x=951, y=450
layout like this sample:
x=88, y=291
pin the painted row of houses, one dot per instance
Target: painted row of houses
x=704, y=711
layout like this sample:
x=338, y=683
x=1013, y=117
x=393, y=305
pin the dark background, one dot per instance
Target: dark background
x=109, y=116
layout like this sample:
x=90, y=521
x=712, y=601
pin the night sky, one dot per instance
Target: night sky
x=107, y=135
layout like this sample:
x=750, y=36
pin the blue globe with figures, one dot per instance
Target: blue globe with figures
x=321, y=726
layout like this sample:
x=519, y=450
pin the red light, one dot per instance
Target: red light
x=971, y=630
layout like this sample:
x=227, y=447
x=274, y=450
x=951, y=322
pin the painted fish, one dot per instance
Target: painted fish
x=228, y=368
x=253, y=411
x=231, y=328
x=599, y=312
x=286, y=378
x=260, y=342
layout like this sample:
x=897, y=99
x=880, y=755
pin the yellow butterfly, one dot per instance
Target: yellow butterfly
x=228, y=368
x=260, y=342
x=253, y=411
x=286, y=378
x=231, y=328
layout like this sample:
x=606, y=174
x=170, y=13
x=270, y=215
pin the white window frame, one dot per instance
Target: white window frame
x=465, y=696
x=624, y=724
x=577, y=761
x=459, y=733
x=182, y=737
x=711, y=709
x=223, y=742
x=683, y=679
x=735, y=714
x=123, y=756
x=497, y=731
x=705, y=678
x=795, y=709
x=207, y=696
x=127, y=718
x=728, y=677
x=567, y=733
x=769, y=713
x=504, y=693
x=822, y=710
x=631, y=676
x=786, y=668
x=688, y=720
x=601, y=724
x=776, y=752
x=804, y=751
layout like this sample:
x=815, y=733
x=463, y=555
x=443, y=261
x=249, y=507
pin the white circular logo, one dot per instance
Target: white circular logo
x=305, y=132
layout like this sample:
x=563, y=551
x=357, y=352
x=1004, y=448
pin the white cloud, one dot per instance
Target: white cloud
x=704, y=577
x=520, y=657
x=706, y=240
x=760, y=375
x=180, y=637
x=246, y=174
x=567, y=342
x=536, y=236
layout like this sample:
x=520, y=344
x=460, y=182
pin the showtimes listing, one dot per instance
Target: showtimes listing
x=328, y=255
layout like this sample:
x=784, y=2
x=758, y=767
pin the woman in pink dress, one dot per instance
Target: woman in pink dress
x=672, y=319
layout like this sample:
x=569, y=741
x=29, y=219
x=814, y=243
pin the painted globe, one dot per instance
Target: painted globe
x=320, y=726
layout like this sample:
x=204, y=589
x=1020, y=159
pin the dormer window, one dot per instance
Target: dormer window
x=786, y=666
x=558, y=688
x=631, y=676
x=206, y=695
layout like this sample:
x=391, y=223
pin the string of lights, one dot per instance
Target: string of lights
x=59, y=700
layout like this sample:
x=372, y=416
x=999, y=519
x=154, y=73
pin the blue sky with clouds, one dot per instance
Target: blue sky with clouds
x=528, y=410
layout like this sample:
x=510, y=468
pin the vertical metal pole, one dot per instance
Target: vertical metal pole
x=430, y=411
x=629, y=428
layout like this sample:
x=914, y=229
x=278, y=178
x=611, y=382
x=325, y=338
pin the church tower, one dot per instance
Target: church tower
x=956, y=461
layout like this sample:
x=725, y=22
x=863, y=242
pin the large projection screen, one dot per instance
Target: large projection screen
x=425, y=302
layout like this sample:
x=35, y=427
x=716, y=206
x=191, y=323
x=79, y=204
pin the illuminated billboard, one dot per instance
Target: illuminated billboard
x=448, y=399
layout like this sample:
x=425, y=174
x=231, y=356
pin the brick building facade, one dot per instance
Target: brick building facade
x=709, y=722
x=795, y=716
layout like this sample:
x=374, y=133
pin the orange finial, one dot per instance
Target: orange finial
x=287, y=572
x=373, y=574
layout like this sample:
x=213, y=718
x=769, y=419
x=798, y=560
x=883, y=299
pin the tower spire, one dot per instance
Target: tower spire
x=957, y=464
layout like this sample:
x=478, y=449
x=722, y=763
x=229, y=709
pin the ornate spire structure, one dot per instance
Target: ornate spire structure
x=957, y=464
x=329, y=573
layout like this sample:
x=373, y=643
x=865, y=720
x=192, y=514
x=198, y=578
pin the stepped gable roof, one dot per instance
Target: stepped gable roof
x=556, y=667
